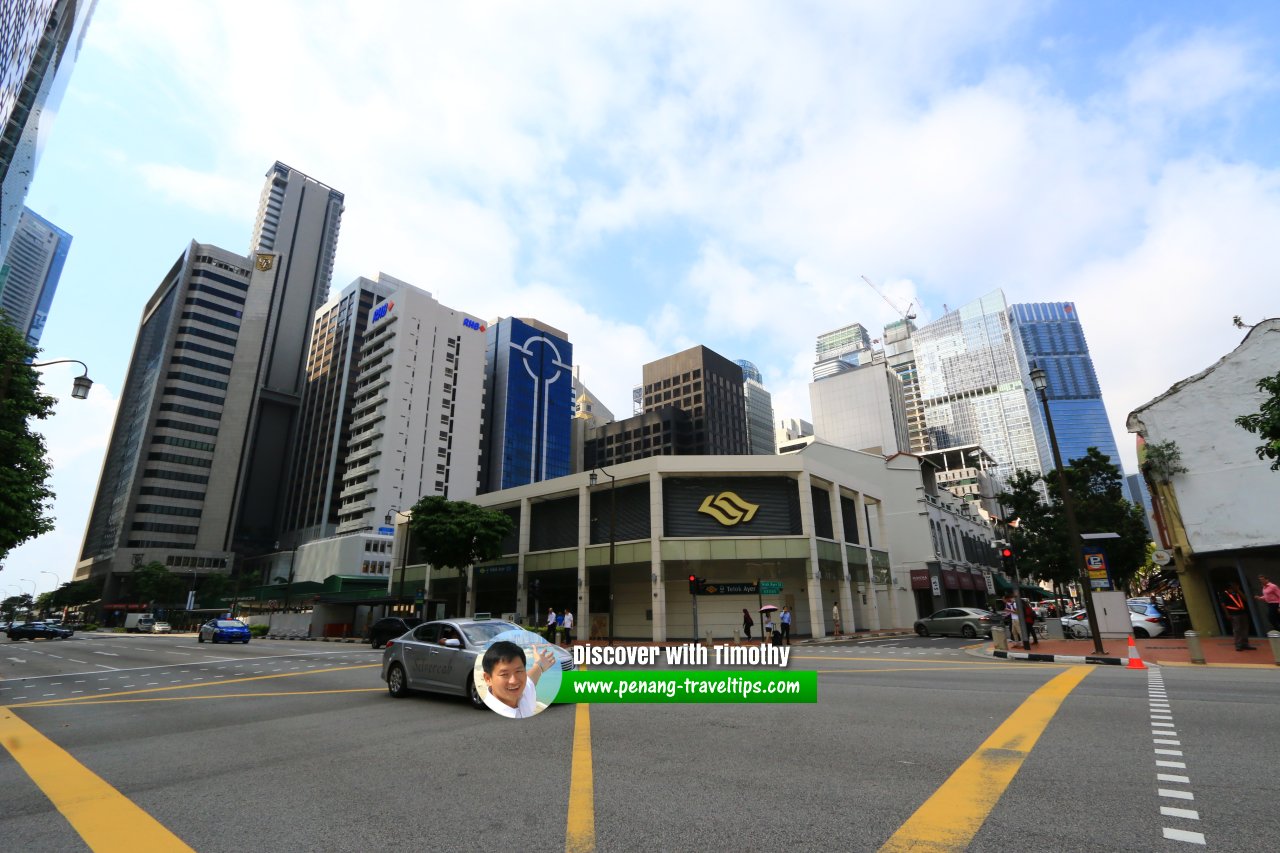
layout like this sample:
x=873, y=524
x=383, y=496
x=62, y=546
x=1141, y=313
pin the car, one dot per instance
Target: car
x=440, y=657
x=390, y=627
x=226, y=630
x=1144, y=620
x=965, y=621
x=32, y=630
x=161, y=628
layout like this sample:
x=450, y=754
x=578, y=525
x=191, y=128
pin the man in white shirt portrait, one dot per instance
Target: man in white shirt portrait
x=513, y=690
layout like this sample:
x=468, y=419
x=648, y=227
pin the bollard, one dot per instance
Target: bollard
x=999, y=639
x=710, y=640
x=1193, y=646
x=1274, y=638
x=737, y=636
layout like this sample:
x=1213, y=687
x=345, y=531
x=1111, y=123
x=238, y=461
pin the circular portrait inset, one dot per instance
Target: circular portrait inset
x=518, y=673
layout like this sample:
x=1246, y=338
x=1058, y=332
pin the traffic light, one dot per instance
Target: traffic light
x=693, y=584
x=1007, y=557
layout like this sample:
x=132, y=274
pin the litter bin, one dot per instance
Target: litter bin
x=999, y=638
x=1053, y=629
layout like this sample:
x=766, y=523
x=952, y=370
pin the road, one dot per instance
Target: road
x=295, y=746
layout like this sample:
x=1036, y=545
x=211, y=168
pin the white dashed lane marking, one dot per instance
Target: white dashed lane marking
x=1163, y=734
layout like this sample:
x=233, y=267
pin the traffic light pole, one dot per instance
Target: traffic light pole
x=693, y=596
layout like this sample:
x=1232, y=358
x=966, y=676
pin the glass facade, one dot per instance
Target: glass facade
x=29, y=276
x=529, y=405
x=975, y=389
x=1053, y=339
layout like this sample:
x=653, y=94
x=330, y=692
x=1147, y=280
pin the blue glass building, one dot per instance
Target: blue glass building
x=1053, y=339
x=529, y=404
x=30, y=273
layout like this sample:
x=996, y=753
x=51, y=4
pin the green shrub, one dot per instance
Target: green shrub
x=258, y=630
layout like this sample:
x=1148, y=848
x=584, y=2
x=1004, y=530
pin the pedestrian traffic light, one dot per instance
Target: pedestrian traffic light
x=1007, y=557
x=693, y=584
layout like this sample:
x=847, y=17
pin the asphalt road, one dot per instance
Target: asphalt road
x=295, y=746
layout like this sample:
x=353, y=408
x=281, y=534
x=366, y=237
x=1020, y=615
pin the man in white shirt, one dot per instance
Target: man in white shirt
x=568, y=626
x=513, y=690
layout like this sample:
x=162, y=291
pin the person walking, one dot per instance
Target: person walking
x=747, y=622
x=768, y=628
x=835, y=619
x=1011, y=620
x=1271, y=597
x=1232, y=601
x=568, y=626
x=1029, y=614
x=786, y=624
x=551, y=625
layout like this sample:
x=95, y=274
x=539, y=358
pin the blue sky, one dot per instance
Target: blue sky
x=650, y=176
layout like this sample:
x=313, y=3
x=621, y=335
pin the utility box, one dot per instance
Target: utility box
x=1112, y=611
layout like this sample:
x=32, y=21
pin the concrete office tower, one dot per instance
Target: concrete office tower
x=294, y=241
x=416, y=422
x=30, y=273
x=1053, y=339
x=899, y=354
x=975, y=388
x=315, y=480
x=39, y=43
x=862, y=409
x=165, y=493
x=759, y=405
x=708, y=387
x=529, y=404
x=841, y=350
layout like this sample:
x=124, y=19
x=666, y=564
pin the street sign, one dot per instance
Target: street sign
x=935, y=587
x=1161, y=558
x=386, y=531
x=728, y=589
x=1096, y=563
x=771, y=587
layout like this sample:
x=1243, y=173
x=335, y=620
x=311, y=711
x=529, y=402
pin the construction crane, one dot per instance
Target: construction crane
x=905, y=315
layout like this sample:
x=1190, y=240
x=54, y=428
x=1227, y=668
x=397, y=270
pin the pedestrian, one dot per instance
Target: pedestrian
x=568, y=626
x=1233, y=604
x=835, y=619
x=768, y=627
x=1029, y=614
x=747, y=622
x=551, y=624
x=786, y=624
x=1271, y=596
x=1011, y=620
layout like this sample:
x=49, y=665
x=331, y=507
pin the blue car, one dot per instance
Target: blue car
x=224, y=630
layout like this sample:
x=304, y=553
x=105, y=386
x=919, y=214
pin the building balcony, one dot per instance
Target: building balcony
x=369, y=416
x=355, y=457
x=357, y=490
x=363, y=406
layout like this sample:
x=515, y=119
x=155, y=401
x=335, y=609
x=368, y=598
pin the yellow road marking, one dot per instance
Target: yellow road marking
x=107, y=820
x=580, y=829
x=900, y=660
x=55, y=703
x=70, y=700
x=948, y=820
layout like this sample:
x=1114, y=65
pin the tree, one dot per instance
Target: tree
x=457, y=534
x=1041, y=537
x=153, y=582
x=24, y=467
x=1265, y=423
x=76, y=593
x=15, y=603
x=213, y=589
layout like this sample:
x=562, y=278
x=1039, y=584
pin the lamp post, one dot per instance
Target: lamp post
x=1040, y=380
x=613, y=521
x=80, y=385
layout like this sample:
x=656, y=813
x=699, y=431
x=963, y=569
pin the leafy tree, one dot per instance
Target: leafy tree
x=24, y=468
x=15, y=603
x=153, y=582
x=213, y=588
x=76, y=593
x=457, y=534
x=1265, y=423
x=1041, y=537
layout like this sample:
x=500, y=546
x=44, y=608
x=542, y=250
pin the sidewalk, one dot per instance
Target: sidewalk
x=1166, y=651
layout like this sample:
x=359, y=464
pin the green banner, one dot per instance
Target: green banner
x=688, y=686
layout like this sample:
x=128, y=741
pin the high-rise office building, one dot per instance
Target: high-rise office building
x=165, y=492
x=1053, y=339
x=899, y=354
x=759, y=405
x=39, y=42
x=862, y=409
x=315, y=481
x=588, y=413
x=708, y=387
x=840, y=350
x=975, y=388
x=294, y=241
x=30, y=272
x=529, y=404
x=416, y=420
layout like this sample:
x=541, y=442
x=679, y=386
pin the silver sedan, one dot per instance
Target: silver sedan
x=440, y=657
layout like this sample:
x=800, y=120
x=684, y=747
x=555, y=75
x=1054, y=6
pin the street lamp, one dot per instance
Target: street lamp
x=1040, y=380
x=613, y=520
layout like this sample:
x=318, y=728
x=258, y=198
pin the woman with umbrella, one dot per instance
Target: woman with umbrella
x=770, y=629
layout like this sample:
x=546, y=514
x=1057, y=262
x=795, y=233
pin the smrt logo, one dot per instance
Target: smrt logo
x=381, y=311
x=472, y=324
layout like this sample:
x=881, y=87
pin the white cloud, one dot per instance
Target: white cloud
x=1202, y=72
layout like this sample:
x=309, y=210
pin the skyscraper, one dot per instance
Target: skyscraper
x=293, y=246
x=169, y=472
x=841, y=349
x=899, y=354
x=759, y=406
x=30, y=272
x=975, y=388
x=709, y=387
x=1053, y=338
x=39, y=42
x=529, y=404
x=862, y=409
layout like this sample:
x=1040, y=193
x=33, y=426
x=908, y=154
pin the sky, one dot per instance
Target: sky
x=650, y=176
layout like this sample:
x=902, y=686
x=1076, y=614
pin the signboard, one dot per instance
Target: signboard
x=386, y=531
x=1096, y=563
x=1161, y=557
x=991, y=584
x=919, y=578
x=937, y=587
x=748, y=588
x=771, y=587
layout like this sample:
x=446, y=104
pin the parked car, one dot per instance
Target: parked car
x=225, y=630
x=964, y=621
x=440, y=657
x=1144, y=624
x=391, y=627
x=32, y=630
x=161, y=628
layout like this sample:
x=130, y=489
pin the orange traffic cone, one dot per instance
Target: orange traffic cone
x=1135, y=659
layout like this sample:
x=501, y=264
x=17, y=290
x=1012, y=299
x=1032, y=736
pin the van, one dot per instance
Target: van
x=135, y=623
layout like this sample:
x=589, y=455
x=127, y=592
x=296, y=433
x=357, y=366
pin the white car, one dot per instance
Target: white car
x=1143, y=623
x=161, y=628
